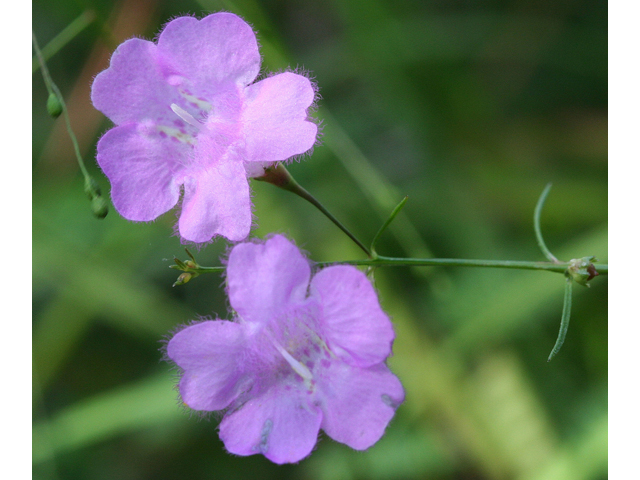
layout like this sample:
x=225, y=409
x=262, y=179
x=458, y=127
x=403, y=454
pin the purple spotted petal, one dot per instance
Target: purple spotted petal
x=358, y=403
x=142, y=168
x=281, y=424
x=265, y=280
x=275, y=118
x=210, y=354
x=356, y=327
x=212, y=52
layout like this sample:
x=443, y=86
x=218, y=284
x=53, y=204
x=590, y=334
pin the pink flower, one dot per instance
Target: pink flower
x=302, y=354
x=188, y=116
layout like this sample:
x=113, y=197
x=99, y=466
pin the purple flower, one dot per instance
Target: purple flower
x=188, y=115
x=302, y=354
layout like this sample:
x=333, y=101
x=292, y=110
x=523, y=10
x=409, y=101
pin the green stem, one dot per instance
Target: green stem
x=200, y=269
x=536, y=224
x=99, y=205
x=45, y=71
x=439, y=262
x=455, y=262
x=53, y=88
x=280, y=177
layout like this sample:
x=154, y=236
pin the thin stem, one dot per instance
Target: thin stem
x=536, y=224
x=386, y=224
x=280, y=177
x=301, y=192
x=200, y=269
x=435, y=262
x=564, y=322
x=454, y=262
x=64, y=37
x=53, y=88
x=45, y=71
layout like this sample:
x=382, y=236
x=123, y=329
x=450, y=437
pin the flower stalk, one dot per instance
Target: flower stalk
x=279, y=176
x=55, y=107
x=382, y=261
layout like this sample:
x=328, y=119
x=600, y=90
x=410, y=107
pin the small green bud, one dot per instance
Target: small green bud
x=183, y=278
x=54, y=107
x=190, y=264
x=99, y=207
x=582, y=270
x=91, y=188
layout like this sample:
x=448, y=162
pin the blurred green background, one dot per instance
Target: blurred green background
x=470, y=108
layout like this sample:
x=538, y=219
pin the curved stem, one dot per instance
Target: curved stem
x=564, y=323
x=53, y=88
x=536, y=224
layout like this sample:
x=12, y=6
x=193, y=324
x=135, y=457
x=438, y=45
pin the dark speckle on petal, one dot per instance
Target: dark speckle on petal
x=387, y=400
x=263, y=446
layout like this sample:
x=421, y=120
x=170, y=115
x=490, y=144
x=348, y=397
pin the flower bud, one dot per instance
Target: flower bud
x=54, y=107
x=183, y=278
x=91, y=188
x=582, y=270
x=99, y=206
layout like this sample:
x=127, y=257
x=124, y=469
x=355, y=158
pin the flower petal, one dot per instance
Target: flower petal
x=216, y=202
x=358, y=403
x=141, y=167
x=275, y=118
x=266, y=279
x=356, y=328
x=133, y=88
x=209, y=354
x=219, y=50
x=281, y=424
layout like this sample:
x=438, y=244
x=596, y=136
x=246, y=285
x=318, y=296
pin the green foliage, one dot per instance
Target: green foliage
x=467, y=108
